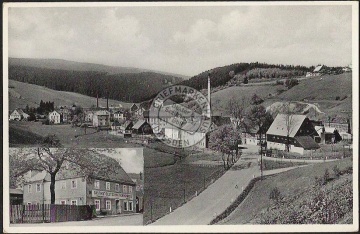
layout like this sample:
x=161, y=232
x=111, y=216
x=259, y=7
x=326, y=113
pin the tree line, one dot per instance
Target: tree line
x=129, y=87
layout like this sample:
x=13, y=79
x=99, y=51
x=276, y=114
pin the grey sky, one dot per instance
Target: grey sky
x=185, y=40
x=131, y=159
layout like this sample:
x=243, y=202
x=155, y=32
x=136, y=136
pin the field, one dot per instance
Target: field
x=299, y=183
x=22, y=94
x=171, y=186
x=333, y=93
x=68, y=136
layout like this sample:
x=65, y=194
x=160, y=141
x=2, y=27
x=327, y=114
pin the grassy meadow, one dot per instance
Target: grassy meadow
x=297, y=188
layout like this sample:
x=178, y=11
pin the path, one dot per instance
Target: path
x=212, y=201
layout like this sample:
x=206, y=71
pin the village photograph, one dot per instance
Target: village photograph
x=244, y=113
x=63, y=186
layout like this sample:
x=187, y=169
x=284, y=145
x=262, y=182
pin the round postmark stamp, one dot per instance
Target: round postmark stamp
x=180, y=117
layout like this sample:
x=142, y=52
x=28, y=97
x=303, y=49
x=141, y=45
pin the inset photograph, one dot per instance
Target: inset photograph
x=76, y=187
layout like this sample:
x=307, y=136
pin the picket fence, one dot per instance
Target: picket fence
x=40, y=213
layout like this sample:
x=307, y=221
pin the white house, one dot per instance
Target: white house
x=17, y=114
x=54, y=117
x=88, y=117
x=119, y=115
x=101, y=118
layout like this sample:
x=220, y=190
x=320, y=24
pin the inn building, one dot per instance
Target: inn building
x=114, y=193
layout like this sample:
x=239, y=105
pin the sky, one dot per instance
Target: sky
x=131, y=159
x=184, y=39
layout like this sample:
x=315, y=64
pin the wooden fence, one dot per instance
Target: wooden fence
x=49, y=213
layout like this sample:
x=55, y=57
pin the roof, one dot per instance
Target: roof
x=329, y=129
x=55, y=112
x=138, y=124
x=116, y=175
x=20, y=111
x=40, y=176
x=318, y=68
x=307, y=142
x=278, y=127
x=16, y=191
x=116, y=123
x=126, y=124
x=102, y=112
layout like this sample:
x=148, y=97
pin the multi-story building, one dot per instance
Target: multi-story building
x=54, y=117
x=101, y=118
x=114, y=193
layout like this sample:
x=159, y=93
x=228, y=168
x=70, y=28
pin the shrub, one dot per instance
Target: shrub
x=336, y=171
x=279, y=82
x=103, y=212
x=275, y=195
x=337, y=98
x=326, y=176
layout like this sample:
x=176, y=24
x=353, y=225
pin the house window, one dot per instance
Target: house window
x=97, y=204
x=97, y=184
x=126, y=205
x=73, y=184
x=107, y=185
x=63, y=185
x=74, y=202
x=124, y=189
x=29, y=188
x=29, y=203
x=108, y=205
x=130, y=205
x=63, y=202
x=38, y=187
x=117, y=187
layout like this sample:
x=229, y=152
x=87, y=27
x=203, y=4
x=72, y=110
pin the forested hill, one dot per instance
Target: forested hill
x=129, y=87
x=239, y=71
x=80, y=66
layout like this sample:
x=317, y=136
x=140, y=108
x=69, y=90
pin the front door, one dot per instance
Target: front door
x=118, y=206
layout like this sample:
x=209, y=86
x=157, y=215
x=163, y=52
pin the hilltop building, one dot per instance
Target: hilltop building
x=301, y=134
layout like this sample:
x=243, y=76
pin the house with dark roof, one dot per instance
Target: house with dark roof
x=300, y=131
x=142, y=127
x=110, y=191
x=16, y=196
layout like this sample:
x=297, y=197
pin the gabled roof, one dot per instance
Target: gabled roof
x=119, y=176
x=307, y=142
x=40, y=176
x=278, y=127
x=55, y=112
x=102, y=112
x=318, y=68
x=16, y=191
x=126, y=124
x=20, y=111
x=138, y=124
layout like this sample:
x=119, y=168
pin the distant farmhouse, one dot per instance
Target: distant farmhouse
x=301, y=132
x=18, y=114
x=54, y=117
x=114, y=193
x=318, y=71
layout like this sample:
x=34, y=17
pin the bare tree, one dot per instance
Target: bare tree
x=290, y=122
x=82, y=162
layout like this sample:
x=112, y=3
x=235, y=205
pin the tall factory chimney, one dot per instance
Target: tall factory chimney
x=97, y=100
x=107, y=102
x=209, y=98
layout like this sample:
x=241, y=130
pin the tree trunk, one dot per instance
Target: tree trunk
x=223, y=158
x=287, y=143
x=52, y=187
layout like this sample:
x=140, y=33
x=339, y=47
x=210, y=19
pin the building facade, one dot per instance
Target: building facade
x=107, y=195
x=101, y=119
x=295, y=130
x=54, y=117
